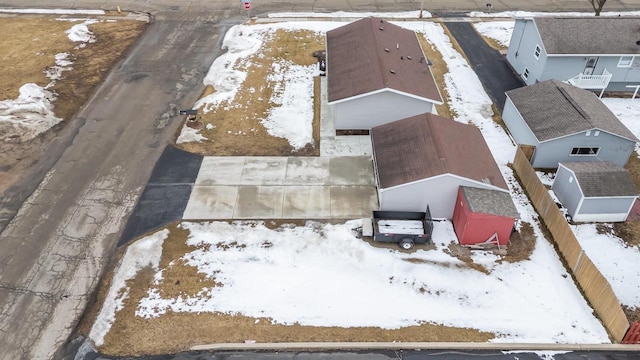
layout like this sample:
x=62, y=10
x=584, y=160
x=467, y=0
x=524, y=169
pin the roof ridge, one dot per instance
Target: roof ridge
x=378, y=48
x=574, y=103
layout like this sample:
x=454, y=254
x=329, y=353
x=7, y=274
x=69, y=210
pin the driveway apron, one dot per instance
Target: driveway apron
x=490, y=66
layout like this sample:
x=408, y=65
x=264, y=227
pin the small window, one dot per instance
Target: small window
x=588, y=133
x=596, y=133
x=537, y=52
x=525, y=73
x=585, y=151
x=625, y=61
x=570, y=179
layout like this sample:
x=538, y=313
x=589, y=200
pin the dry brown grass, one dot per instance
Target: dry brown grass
x=173, y=332
x=237, y=129
x=633, y=166
x=30, y=50
x=521, y=244
x=629, y=231
x=438, y=69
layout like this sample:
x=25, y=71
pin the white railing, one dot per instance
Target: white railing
x=591, y=81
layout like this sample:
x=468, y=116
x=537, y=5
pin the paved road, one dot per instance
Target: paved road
x=54, y=249
x=491, y=67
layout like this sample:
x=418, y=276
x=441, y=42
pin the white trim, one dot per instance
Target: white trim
x=611, y=197
x=585, y=147
x=579, y=132
x=431, y=101
x=583, y=55
x=630, y=61
x=617, y=217
x=537, y=49
x=526, y=73
x=485, y=185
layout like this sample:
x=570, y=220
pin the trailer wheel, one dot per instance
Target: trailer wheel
x=406, y=244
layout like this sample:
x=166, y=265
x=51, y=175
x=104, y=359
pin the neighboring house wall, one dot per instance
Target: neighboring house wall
x=611, y=148
x=605, y=209
x=567, y=190
x=518, y=128
x=376, y=109
x=438, y=192
x=522, y=50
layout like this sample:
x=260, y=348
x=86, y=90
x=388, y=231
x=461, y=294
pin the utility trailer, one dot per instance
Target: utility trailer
x=405, y=228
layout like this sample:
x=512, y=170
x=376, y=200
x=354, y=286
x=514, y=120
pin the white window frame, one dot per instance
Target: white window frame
x=525, y=74
x=537, y=52
x=588, y=133
x=576, y=150
x=626, y=61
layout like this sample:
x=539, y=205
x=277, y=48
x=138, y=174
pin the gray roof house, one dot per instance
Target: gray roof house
x=424, y=159
x=377, y=73
x=590, y=52
x=595, y=191
x=565, y=123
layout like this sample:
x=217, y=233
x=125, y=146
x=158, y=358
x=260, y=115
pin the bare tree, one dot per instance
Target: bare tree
x=597, y=5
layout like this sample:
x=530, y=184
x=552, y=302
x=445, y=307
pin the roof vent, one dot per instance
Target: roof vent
x=408, y=57
x=397, y=45
x=386, y=49
x=401, y=57
x=392, y=71
x=381, y=28
x=486, y=180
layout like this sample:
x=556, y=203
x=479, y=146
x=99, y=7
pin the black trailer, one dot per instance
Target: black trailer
x=405, y=228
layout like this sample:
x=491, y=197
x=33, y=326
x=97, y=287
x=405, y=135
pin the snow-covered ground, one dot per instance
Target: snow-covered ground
x=52, y=11
x=32, y=113
x=498, y=30
x=515, y=14
x=343, y=281
x=353, y=15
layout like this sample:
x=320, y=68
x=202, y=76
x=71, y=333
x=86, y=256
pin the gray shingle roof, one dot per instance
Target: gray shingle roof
x=589, y=35
x=372, y=54
x=553, y=109
x=427, y=145
x=602, y=178
x=490, y=202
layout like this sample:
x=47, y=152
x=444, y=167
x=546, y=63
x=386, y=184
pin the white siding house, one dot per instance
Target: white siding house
x=377, y=73
x=424, y=159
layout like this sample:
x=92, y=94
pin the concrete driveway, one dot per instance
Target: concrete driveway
x=283, y=187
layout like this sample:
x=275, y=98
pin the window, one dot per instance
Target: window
x=537, y=52
x=525, y=73
x=582, y=151
x=596, y=133
x=570, y=179
x=588, y=133
x=625, y=61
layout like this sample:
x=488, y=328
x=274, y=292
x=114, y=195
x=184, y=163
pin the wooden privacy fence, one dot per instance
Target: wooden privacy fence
x=594, y=285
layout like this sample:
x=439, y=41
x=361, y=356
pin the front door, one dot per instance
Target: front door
x=590, y=66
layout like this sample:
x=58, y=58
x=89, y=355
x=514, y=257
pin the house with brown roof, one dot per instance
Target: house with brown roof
x=424, y=159
x=377, y=73
x=565, y=124
x=597, y=53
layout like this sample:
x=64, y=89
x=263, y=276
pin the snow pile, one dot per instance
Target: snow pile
x=519, y=14
x=81, y=33
x=346, y=14
x=291, y=117
x=500, y=31
x=189, y=134
x=27, y=116
x=55, y=72
x=53, y=11
x=617, y=261
x=142, y=253
x=321, y=275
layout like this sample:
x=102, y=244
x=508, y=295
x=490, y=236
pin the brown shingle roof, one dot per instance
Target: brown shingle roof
x=428, y=145
x=492, y=202
x=602, y=178
x=596, y=35
x=362, y=58
x=553, y=109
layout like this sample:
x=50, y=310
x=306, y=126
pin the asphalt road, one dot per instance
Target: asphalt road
x=55, y=248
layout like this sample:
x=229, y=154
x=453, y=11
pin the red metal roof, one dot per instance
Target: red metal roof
x=371, y=54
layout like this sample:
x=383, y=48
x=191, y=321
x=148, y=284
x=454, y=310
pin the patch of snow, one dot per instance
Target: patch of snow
x=617, y=261
x=347, y=14
x=292, y=116
x=328, y=277
x=53, y=11
x=142, y=253
x=627, y=111
x=519, y=14
x=81, y=33
x=500, y=31
x=189, y=134
x=55, y=72
x=546, y=177
x=543, y=355
x=27, y=116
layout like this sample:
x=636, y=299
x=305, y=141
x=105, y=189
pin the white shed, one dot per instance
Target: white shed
x=424, y=159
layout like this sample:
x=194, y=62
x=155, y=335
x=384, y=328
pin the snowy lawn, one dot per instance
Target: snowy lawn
x=321, y=275
x=500, y=31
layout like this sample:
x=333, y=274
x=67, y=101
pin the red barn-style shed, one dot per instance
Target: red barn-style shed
x=483, y=216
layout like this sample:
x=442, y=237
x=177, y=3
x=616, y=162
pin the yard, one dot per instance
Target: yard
x=309, y=281
x=51, y=64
